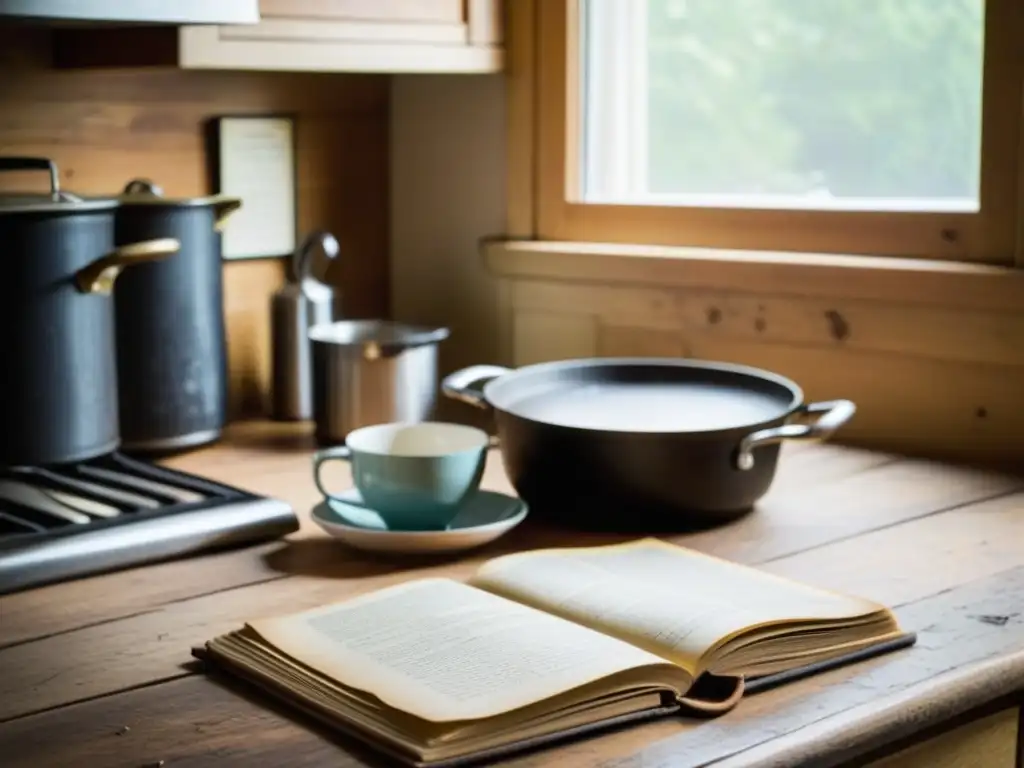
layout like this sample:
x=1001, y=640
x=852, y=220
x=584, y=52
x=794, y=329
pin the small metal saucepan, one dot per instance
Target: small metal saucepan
x=622, y=443
x=58, y=397
x=371, y=372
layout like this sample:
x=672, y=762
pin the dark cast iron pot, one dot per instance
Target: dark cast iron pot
x=628, y=443
x=58, y=394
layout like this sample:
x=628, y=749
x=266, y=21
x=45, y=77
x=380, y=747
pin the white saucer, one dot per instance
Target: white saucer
x=485, y=517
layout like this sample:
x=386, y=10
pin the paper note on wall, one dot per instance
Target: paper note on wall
x=257, y=164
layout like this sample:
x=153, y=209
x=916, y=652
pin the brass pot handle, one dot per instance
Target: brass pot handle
x=222, y=210
x=98, y=276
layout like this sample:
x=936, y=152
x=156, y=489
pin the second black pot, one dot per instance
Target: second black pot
x=171, y=340
x=639, y=443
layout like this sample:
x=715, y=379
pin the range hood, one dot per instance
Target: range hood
x=132, y=11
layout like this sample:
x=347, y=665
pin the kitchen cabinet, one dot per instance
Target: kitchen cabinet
x=117, y=11
x=388, y=36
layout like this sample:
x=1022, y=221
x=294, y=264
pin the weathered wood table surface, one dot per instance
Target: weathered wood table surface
x=97, y=672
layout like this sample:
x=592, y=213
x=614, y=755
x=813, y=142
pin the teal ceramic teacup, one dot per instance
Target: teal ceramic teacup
x=415, y=476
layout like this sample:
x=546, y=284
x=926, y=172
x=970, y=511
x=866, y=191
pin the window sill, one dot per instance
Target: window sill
x=904, y=281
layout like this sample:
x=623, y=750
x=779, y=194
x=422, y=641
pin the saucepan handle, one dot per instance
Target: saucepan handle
x=467, y=385
x=834, y=413
x=337, y=453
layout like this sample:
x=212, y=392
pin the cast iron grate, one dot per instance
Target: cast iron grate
x=67, y=521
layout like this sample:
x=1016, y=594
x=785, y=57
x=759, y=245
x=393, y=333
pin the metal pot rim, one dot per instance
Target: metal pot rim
x=359, y=334
x=61, y=205
x=143, y=192
x=56, y=201
x=492, y=391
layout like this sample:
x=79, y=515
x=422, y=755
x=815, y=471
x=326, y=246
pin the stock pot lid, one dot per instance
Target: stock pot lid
x=62, y=202
x=56, y=201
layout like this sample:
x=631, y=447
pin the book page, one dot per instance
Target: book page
x=669, y=600
x=442, y=650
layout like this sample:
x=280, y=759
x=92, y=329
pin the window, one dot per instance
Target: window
x=881, y=127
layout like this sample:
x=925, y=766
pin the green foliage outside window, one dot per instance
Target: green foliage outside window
x=848, y=98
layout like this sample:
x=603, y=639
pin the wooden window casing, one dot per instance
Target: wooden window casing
x=991, y=235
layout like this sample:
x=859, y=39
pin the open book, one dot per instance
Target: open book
x=544, y=643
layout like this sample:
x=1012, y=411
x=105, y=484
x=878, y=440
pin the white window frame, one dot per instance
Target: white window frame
x=615, y=151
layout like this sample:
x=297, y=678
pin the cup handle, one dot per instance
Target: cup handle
x=337, y=453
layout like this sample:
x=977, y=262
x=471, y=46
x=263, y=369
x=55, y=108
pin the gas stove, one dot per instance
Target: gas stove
x=63, y=522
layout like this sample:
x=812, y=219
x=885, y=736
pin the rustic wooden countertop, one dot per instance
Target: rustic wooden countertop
x=98, y=672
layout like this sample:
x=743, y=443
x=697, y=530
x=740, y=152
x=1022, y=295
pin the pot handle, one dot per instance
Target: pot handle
x=835, y=413
x=34, y=164
x=461, y=384
x=98, y=276
x=223, y=207
x=375, y=350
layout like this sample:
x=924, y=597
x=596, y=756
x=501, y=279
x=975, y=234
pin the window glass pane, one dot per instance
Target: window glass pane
x=830, y=104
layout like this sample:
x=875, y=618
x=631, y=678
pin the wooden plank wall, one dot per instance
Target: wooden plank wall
x=930, y=382
x=105, y=127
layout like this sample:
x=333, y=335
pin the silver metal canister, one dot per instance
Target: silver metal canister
x=372, y=372
x=301, y=303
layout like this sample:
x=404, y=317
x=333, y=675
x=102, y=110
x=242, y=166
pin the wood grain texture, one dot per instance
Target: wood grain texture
x=541, y=337
x=194, y=721
x=928, y=381
x=625, y=341
x=990, y=742
x=105, y=128
x=757, y=315
x=836, y=499
x=274, y=459
x=1020, y=739
x=520, y=123
x=963, y=659
x=934, y=408
x=958, y=664
x=913, y=282
x=966, y=543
